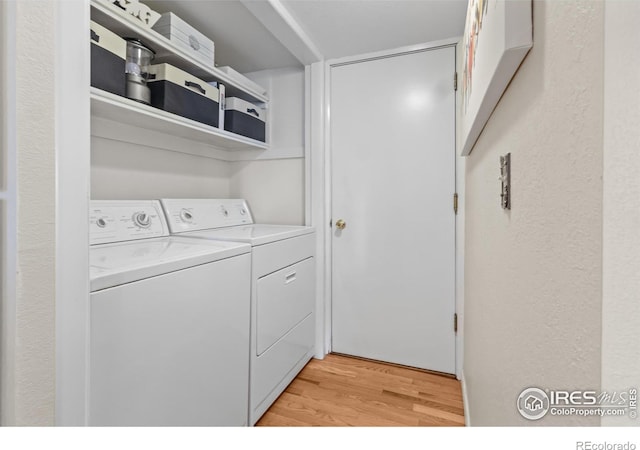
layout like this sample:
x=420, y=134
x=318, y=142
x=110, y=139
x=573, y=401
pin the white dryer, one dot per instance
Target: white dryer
x=169, y=322
x=282, y=288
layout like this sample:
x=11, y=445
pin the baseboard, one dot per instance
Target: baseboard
x=465, y=401
x=377, y=361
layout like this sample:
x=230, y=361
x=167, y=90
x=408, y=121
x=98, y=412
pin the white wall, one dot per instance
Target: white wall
x=273, y=188
x=285, y=131
x=621, y=214
x=273, y=181
x=120, y=170
x=533, y=281
x=31, y=395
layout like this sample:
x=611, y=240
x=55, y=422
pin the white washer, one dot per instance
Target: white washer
x=169, y=322
x=282, y=288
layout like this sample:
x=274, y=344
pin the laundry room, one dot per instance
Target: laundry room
x=244, y=214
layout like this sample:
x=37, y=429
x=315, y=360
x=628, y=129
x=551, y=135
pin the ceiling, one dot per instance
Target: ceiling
x=351, y=27
x=335, y=28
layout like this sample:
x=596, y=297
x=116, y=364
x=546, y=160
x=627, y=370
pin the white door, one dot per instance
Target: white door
x=393, y=178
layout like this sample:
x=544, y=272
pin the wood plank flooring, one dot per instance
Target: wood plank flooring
x=345, y=391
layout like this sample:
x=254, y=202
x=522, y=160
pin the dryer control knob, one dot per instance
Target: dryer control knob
x=142, y=219
x=186, y=216
x=101, y=222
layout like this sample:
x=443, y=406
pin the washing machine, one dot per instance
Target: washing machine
x=169, y=322
x=282, y=288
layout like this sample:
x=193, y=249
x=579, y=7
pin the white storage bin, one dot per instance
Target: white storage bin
x=237, y=76
x=186, y=37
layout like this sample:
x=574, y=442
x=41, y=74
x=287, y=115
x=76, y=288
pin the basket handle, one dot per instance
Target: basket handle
x=191, y=84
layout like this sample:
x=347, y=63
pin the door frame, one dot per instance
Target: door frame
x=7, y=213
x=71, y=263
x=319, y=196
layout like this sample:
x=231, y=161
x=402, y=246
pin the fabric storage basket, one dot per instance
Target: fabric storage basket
x=108, y=57
x=186, y=37
x=179, y=92
x=244, y=118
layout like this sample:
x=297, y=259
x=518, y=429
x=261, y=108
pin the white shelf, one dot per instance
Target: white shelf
x=125, y=25
x=120, y=109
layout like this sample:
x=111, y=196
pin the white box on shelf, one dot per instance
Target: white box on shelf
x=243, y=80
x=187, y=38
x=136, y=11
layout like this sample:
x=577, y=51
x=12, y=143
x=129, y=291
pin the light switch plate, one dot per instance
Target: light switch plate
x=505, y=179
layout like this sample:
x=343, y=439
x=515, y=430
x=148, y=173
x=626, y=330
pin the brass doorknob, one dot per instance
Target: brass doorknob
x=341, y=224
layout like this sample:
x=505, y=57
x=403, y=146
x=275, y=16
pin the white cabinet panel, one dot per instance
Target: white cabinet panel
x=283, y=299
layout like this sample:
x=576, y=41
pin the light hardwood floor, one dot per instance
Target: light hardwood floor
x=344, y=391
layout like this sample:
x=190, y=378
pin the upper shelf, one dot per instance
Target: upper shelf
x=120, y=109
x=167, y=52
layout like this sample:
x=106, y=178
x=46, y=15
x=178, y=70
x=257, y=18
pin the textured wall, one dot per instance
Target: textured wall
x=125, y=171
x=533, y=276
x=621, y=242
x=35, y=284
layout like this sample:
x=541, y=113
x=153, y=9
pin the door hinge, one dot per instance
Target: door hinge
x=455, y=81
x=455, y=322
x=455, y=203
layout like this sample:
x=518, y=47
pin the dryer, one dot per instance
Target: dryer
x=282, y=288
x=169, y=322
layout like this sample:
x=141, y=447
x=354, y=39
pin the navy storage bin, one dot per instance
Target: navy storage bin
x=108, y=56
x=244, y=118
x=179, y=92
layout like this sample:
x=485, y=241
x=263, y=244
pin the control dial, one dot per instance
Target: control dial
x=101, y=222
x=142, y=219
x=186, y=216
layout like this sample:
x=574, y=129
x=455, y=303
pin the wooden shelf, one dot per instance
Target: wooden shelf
x=167, y=52
x=124, y=110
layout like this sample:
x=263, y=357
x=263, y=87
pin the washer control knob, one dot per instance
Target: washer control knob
x=186, y=216
x=142, y=219
x=243, y=212
x=224, y=211
x=101, y=222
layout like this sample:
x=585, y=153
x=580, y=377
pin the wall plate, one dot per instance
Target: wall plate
x=505, y=179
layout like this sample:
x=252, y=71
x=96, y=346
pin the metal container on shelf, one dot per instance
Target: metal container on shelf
x=139, y=58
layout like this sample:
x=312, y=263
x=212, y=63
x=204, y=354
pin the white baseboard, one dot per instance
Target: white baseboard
x=465, y=401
